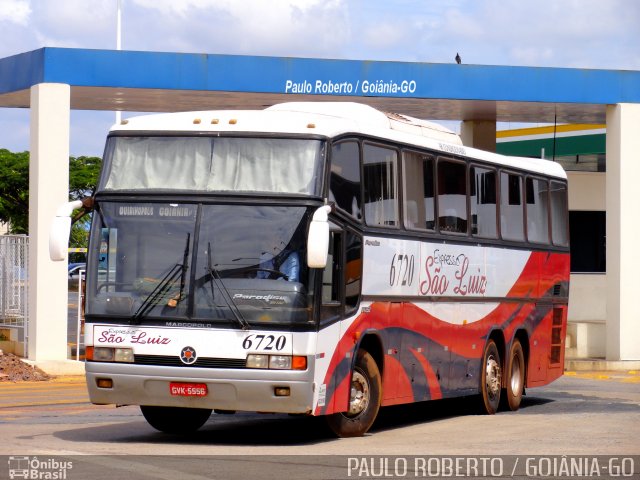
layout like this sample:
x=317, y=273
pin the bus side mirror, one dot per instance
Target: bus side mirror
x=60, y=230
x=318, y=238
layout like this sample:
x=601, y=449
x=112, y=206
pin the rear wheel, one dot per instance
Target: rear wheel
x=515, y=378
x=175, y=419
x=364, y=400
x=491, y=378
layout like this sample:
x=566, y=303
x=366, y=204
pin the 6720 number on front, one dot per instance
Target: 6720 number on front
x=266, y=342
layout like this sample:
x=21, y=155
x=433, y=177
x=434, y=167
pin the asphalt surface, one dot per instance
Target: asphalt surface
x=583, y=415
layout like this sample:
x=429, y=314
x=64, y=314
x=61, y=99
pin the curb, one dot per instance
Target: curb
x=58, y=367
x=600, y=365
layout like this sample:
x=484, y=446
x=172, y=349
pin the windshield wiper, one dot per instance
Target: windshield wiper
x=215, y=277
x=185, y=266
x=164, y=285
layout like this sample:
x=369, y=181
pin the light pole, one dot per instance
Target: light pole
x=119, y=45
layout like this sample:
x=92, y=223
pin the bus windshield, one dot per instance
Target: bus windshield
x=243, y=264
x=213, y=164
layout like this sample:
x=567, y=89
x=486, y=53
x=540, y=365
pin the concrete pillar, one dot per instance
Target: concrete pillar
x=479, y=134
x=48, y=188
x=623, y=231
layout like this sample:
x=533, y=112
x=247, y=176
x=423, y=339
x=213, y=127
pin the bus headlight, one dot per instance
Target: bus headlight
x=277, y=362
x=124, y=355
x=280, y=362
x=257, y=361
x=108, y=354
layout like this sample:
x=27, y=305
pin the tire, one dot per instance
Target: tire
x=175, y=419
x=490, y=379
x=364, y=401
x=515, y=378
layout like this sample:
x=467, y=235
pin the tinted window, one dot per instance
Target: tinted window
x=213, y=164
x=452, y=197
x=352, y=271
x=331, y=273
x=344, y=187
x=201, y=262
x=511, y=207
x=483, y=202
x=537, y=210
x=380, y=195
x=419, y=205
x=559, y=207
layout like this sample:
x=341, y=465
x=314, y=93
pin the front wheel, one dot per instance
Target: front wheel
x=491, y=378
x=175, y=419
x=364, y=401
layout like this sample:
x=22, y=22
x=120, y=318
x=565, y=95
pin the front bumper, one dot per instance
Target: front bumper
x=228, y=389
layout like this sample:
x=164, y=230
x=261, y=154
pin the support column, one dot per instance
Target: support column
x=48, y=188
x=479, y=134
x=623, y=231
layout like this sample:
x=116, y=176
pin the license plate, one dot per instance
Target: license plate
x=188, y=389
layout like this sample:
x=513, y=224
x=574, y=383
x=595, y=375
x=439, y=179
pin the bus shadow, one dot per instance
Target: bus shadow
x=436, y=410
x=528, y=402
x=266, y=430
x=250, y=429
x=400, y=416
x=230, y=430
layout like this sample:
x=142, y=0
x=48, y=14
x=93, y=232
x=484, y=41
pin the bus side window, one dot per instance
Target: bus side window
x=483, y=196
x=380, y=186
x=352, y=272
x=537, y=210
x=331, y=278
x=511, y=207
x=342, y=277
x=331, y=273
x=344, y=184
x=559, y=210
x=452, y=197
x=419, y=202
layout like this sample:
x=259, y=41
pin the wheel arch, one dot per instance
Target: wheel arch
x=497, y=336
x=523, y=337
x=371, y=342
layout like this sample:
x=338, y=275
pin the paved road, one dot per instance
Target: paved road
x=578, y=414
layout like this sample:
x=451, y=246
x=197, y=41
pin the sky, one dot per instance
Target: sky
x=603, y=34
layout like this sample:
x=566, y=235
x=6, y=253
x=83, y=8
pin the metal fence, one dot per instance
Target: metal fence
x=14, y=265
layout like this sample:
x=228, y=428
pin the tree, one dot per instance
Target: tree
x=83, y=178
x=14, y=185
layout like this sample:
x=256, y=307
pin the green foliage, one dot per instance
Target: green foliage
x=83, y=176
x=79, y=236
x=14, y=185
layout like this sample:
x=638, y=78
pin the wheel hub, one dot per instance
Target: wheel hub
x=492, y=371
x=359, y=394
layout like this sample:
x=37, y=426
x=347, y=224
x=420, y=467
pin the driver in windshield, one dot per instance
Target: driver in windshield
x=287, y=262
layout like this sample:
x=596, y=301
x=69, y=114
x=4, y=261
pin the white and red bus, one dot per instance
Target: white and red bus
x=322, y=259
